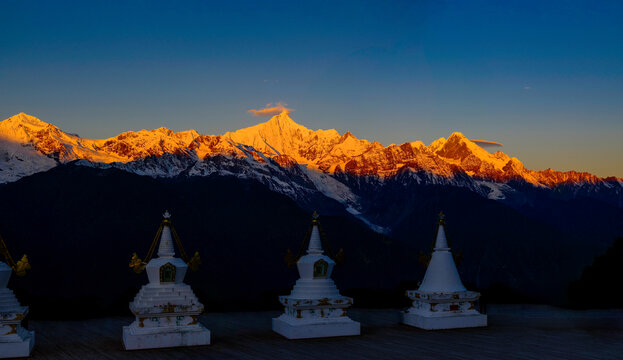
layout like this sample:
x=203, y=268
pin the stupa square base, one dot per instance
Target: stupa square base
x=19, y=348
x=444, y=322
x=306, y=329
x=165, y=339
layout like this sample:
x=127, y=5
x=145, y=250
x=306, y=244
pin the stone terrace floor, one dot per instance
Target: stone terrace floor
x=514, y=332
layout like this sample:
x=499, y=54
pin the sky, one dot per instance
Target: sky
x=544, y=78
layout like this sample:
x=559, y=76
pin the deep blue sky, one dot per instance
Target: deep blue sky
x=544, y=78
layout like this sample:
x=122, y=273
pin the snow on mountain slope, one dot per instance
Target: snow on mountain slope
x=18, y=161
x=496, y=191
x=333, y=189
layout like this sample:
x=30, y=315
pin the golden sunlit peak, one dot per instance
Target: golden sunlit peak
x=23, y=118
x=283, y=116
x=458, y=135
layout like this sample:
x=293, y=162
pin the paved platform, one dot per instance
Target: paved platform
x=514, y=332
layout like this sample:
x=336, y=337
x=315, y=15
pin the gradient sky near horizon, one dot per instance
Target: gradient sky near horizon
x=544, y=78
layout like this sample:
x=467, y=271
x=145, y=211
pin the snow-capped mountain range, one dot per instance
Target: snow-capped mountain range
x=291, y=159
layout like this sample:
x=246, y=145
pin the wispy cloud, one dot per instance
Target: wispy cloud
x=527, y=87
x=486, y=143
x=271, y=110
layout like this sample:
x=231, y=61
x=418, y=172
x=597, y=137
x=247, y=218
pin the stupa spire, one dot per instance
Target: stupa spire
x=441, y=242
x=315, y=244
x=166, y=248
x=314, y=240
x=164, y=240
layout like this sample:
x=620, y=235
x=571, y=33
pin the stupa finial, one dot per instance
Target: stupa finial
x=442, y=218
x=167, y=214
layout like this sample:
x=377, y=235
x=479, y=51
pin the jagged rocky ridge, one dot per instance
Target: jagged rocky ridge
x=290, y=159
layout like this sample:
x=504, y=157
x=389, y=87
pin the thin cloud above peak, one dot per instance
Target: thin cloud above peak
x=271, y=110
x=487, y=143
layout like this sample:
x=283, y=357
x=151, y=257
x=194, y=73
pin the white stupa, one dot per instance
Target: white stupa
x=441, y=301
x=315, y=307
x=15, y=341
x=166, y=309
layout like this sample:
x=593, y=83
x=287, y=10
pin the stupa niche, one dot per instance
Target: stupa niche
x=441, y=301
x=15, y=341
x=315, y=307
x=166, y=309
